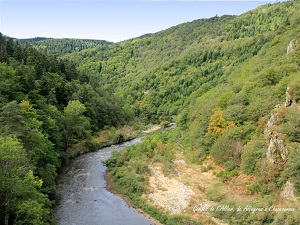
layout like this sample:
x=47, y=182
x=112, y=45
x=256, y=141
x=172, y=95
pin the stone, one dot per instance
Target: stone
x=291, y=47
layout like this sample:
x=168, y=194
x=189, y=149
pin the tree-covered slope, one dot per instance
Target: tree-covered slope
x=234, y=93
x=58, y=47
x=159, y=72
x=231, y=84
x=46, y=107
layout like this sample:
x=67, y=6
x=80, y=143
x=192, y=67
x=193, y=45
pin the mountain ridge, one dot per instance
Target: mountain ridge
x=62, y=46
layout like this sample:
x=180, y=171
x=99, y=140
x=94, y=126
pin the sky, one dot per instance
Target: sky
x=111, y=20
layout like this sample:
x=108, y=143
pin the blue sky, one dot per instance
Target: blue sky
x=112, y=20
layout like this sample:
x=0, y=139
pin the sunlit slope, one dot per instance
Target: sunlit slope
x=158, y=73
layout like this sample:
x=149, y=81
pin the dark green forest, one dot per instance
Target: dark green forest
x=62, y=46
x=46, y=105
x=231, y=84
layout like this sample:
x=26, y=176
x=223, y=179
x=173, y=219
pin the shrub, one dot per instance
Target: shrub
x=291, y=170
x=93, y=145
x=225, y=174
x=214, y=192
x=139, y=165
x=226, y=149
x=291, y=127
x=258, y=187
x=119, y=138
x=287, y=218
x=253, y=150
x=203, y=169
x=132, y=183
x=168, y=168
x=230, y=145
x=294, y=89
x=230, y=165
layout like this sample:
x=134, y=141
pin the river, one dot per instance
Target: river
x=83, y=199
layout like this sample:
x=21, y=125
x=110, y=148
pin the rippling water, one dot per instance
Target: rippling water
x=83, y=198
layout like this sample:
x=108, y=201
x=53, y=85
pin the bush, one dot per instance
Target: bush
x=230, y=145
x=225, y=174
x=287, y=218
x=230, y=165
x=119, y=138
x=253, y=150
x=226, y=149
x=258, y=187
x=203, y=169
x=267, y=171
x=294, y=89
x=291, y=170
x=220, y=151
x=139, y=165
x=132, y=183
x=291, y=127
x=214, y=192
x=168, y=168
x=245, y=215
x=92, y=145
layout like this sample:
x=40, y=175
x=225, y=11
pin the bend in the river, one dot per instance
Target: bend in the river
x=83, y=199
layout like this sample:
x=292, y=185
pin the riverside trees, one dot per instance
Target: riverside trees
x=44, y=109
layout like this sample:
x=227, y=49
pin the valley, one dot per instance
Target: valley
x=229, y=83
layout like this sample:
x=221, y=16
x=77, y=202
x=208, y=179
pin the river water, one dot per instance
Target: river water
x=83, y=199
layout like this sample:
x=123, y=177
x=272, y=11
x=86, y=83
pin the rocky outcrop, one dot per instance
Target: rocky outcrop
x=288, y=98
x=288, y=191
x=291, y=47
x=277, y=149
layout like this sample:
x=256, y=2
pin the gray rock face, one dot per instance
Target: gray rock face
x=277, y=149
x=291, y=47
x=288, y=98
x=288, y=192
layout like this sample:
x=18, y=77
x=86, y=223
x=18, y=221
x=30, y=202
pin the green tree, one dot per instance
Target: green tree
x=13, y=165
x=292, y=168
x=291, y=125
x=253, y=150
x=30, y=205
x=9, y=82
x=77, y=125
x=11, y=119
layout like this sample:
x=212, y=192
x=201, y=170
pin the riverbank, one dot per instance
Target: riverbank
x=110, y=136
x=110, y=186
x=107, y=137
x=82, y=197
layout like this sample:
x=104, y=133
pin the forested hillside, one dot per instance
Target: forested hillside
x=160, y=72
x=231, y=84
x=46, y=107
x=62, y=46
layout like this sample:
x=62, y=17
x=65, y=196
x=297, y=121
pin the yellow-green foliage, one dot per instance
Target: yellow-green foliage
x=217, y=124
